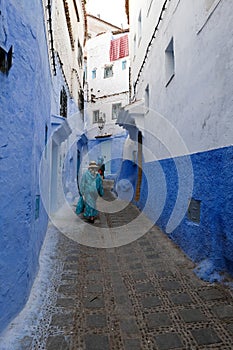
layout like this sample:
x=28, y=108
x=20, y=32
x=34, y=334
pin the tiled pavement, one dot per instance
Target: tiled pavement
x=143, y=295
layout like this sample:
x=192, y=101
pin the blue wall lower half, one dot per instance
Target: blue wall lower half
x=209, y=242
x=25, y=119
x=117, y=150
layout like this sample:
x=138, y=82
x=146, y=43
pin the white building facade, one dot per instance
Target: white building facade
x=181, y=59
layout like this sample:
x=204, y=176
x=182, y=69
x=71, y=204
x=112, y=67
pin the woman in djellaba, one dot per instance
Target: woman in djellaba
x=91, y=187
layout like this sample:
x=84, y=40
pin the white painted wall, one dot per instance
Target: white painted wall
x=62, y=42
x=150, y=11
x=197, y=103
x=98, y=56
x=104, y=105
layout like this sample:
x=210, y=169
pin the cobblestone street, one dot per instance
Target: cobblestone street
x=143, y=295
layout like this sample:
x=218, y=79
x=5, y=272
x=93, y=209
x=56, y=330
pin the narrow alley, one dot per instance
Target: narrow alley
x=140, y=296
x=116, y=186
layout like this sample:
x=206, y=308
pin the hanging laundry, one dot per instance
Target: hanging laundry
x=119, y=48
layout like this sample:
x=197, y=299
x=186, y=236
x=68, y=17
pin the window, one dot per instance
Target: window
x=169, y=62
x=108, y=71
x=96, y=115
x=93, y=73
x=5, y=60
x=124, y=64
x=115, y=110
x=81, y=101
x=80, y=55
x=63, y=103
x=134, y=46
x=46, y=140
x=139, y=27
x=37, y=207
x=147, y=97
x=194, y=210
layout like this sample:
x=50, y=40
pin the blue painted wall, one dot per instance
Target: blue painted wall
x=117, y=149
x=209, y=243
x=25, y=112
x=117, y=144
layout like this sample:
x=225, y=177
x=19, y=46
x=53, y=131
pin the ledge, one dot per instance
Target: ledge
x=103, y=136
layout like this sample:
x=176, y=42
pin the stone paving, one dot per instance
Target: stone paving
x=143, y=295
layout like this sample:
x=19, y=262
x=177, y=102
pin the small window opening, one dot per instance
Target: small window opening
x=115, y=110
x=139, y=27
x=147, y=96
x=134, y=46
x=170, y=62
x=46, y=139
x=108, y=72
x=124, y=65
x=96, y=115
x=93, y=73
x=63, y=103
x=194, y=210
x=81, y=102
x=37, y=207
x=80, y=55
x=5, y=60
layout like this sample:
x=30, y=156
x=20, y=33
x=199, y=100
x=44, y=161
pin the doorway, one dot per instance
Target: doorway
x=54, y=178
x=139, y=168
x=106, y=150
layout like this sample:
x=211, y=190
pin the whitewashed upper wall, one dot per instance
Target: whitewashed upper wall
x=150, y=11
x=97, y=57
x=198, y=100
x=104, y=105
x=106, y=90
x=62, y=43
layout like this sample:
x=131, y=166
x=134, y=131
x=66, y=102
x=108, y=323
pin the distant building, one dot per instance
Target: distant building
x=107, y=91
x=180, y=123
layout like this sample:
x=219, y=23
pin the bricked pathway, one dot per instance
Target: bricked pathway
x=140, y=296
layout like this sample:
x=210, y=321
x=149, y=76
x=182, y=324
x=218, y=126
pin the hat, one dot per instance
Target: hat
x=92, y=165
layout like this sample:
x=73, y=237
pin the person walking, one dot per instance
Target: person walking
x=91, y=187
x=101, y=166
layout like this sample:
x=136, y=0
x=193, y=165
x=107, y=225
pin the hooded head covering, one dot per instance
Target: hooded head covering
x=100, y=160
